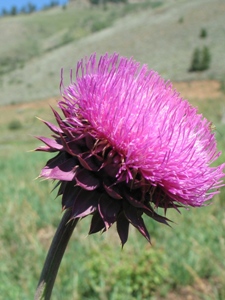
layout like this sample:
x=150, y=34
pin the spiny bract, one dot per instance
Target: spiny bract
x=127, y=144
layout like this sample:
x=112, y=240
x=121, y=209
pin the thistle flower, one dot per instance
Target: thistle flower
x=126, y=145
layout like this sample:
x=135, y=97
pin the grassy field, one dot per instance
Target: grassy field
x=184, y=261
x=162, y=34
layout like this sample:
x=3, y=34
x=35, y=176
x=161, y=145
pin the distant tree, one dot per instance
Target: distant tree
x=117, y=1
x=97, y=2
x=13, y=11
x=30, y=8
x=54, y=3
x=51, y=5
x=23, y=10
x=195, y=62
x=200, y=60
x=4, y=12
x=181, y=20
x=206, y=59
x=203, y=33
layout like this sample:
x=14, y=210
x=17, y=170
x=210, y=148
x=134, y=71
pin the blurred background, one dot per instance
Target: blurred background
x=184, y=41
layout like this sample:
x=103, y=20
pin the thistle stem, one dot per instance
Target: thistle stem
x=54, y=256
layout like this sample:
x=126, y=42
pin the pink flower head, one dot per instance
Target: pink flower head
x=127, y=144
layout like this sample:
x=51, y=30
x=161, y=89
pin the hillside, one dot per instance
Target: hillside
x=163, y=34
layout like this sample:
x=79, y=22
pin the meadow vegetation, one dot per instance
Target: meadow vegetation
x=190, y=254
x=162, y=33
x=184, y=260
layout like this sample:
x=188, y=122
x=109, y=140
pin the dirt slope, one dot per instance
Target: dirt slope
x=164, y=38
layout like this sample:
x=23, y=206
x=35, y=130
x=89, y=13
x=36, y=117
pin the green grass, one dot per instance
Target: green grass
x=162, y=34
x=191, y=253
x=45, y=31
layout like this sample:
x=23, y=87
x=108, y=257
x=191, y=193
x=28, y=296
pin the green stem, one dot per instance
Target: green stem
x=54, y=257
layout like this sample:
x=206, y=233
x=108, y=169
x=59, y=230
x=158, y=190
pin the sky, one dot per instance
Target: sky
x=7, y=4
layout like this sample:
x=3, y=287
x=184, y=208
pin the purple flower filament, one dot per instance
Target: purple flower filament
x=127, y=144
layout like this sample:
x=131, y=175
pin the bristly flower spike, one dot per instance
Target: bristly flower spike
x=127, y=144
